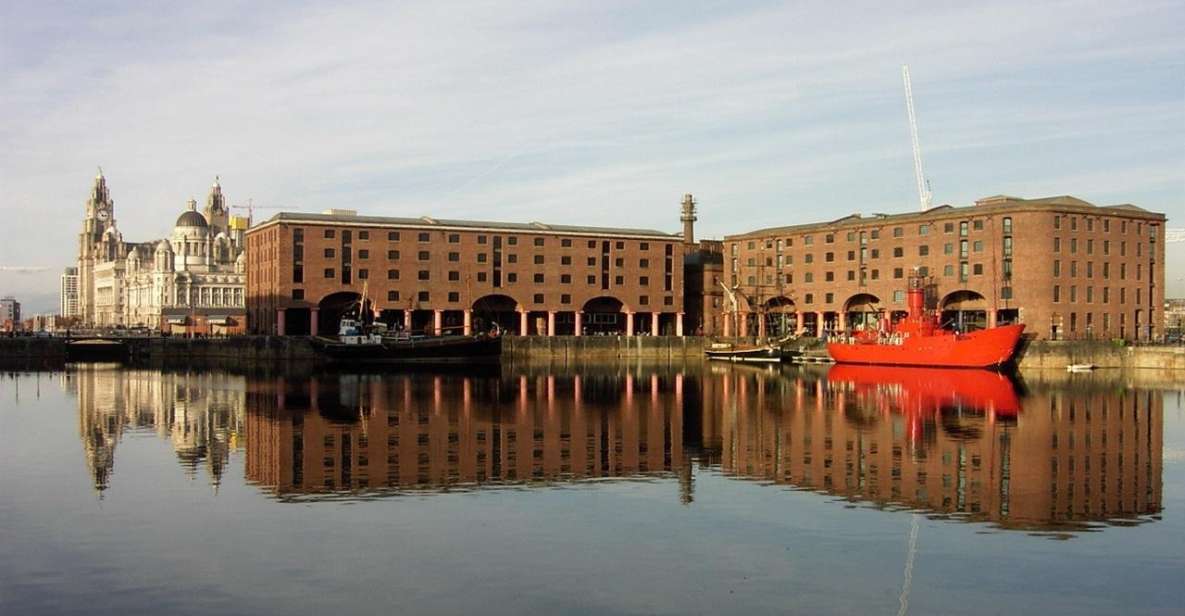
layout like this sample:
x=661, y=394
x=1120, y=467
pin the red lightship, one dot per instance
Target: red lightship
x=920, y=340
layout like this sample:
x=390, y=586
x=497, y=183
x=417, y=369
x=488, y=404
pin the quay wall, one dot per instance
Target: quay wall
x=1044, y=354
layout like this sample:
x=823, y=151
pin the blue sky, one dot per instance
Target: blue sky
x=593, y=113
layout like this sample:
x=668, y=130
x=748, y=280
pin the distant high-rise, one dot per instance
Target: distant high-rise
x=69, y=305
x=10, y=314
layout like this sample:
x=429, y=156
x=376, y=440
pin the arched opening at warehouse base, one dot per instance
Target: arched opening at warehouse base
x=964, y=310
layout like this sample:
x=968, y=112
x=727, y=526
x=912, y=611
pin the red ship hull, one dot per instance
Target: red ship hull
x=980, y=349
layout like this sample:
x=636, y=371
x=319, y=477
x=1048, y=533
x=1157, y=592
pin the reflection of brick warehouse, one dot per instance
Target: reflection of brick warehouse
x=1062, y=266
x=1067, y=458
x=349, y=433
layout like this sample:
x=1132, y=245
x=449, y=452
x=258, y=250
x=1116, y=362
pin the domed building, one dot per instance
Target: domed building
x=191, y=282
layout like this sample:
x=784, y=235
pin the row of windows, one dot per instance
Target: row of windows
x=1057, y=247
x=455, y=238
x=1057, y=224
x=965, y=268
x=1089, y=294
x=424, y=255
x=1089, y=270
x=455, y=276
x=898, y=296
x=862, y=236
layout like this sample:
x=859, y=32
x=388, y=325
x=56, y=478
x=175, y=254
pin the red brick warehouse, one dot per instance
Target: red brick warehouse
x=459, y=276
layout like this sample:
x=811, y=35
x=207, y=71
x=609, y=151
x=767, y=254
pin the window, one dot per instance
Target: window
x=876, y=253
x=481, y=257
x=1057, y=267
x=875, y=234
x=423, y=296
x=851, y=274
x=851, y=236
x=538, y=298
x=898, y=272
x=592, y=279
x=948, y=249
x=1057, y=293
x=511, y=277
x=481, y=276
x=948, y=227
x=1005, y=292
x=593, y=244
x=898, y=296
x=454, y=256
x=810, y=258
x=538, y=278
x=898, y=231
x=1057, y=244
x=330, y=234
x=620, y=262
x=565, y=299
x=566, y=278
x=829, y=238
x=619, y=280
x=392, y=236
x=977, y=246
x=363, y=254
x=454, y=275
x=512, y=258
x=392, y=255
x=1073, y=244
x=566, y=243
x=393, y=274
x=829, y=257
x=423, y=255
x=923, y=251
x=1007, y=225
x=1057, y=221
x=809, y=298
x=644, y=263
x=851, y=255
x=1073, y=227
x=454, y=297
x=363, y=274
x=924, y=229
x=329, y=253
x=808, y=239
x=297, y=273
x=809, y=277
x=1008, y=246
x=297, y=293
x=977, y=269
x=592, y=261
x=828, y=298
x=620, y=245
x=538, y=259
x=364, y=235
x=829, y=276
x=454, y=238
x=977, y=225
x=963, y=229
x=644, y=281
x=948, y=270
x=329, y=272
x=423, y=237
x=392, y=296
x=423, y=275
x=898, y=252
x=962, y=249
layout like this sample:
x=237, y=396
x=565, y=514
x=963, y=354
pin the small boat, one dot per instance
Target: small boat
x=1080, y=367
x=919, y=340
x=358, y=343
x=772, y=352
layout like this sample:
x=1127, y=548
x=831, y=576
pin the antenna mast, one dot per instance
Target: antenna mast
x=924, y=194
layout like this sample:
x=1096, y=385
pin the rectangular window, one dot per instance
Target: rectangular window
x=392, y=296
x=393, y=274
x=454, y=256
x=898, y=296
x=977, y=269
x=423, y=275
x=1057, y=293
x=330, y=234
x=364, y=235
x=329, y=272
x=481, y=277
x=454, y=276
x=923, y=251
x=423, y=296
x=963, y=229
x=566, y=243
x=898, y=231
x=565, y=278
x=900, y=252
x=977, y=246
x=392, y=236
x=481, y=257
x=538, y=278
x=924, y=229
x=1007, y=225
x=329, y=253
x=565, y=299
x=423, y=255
x=363, y=274
x=898, y=272
x=538, y=298
x=454, y=238
x=363, y=254
x=512, y=258
x=297, y=293
x=423, y=237
x=298, y=273
x=392, y=255
x=538, y=259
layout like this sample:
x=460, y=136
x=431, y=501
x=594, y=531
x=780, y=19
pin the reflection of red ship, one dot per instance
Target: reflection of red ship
x=919, y=340
x=926, y=390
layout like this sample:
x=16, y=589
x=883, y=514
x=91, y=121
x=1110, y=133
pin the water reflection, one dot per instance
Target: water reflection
x=962, y=444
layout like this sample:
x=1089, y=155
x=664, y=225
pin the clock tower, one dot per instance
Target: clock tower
x=100, y=216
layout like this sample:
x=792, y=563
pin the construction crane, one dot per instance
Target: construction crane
x=251, y=207
x=924, y=194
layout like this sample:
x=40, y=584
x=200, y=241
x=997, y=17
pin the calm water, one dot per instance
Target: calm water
x=623, y=490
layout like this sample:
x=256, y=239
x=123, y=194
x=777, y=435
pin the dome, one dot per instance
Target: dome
x=192, y=219
x=164, y=246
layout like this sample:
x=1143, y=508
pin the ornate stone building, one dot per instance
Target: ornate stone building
x=190, y=282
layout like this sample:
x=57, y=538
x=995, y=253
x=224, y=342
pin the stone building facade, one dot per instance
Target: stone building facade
x=191, y=282
x=1064, y=267
x=429, y=275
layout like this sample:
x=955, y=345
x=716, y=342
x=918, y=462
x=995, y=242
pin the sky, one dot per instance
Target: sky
x=598, y=113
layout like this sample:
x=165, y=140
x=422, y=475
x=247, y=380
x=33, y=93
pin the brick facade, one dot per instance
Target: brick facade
x=450, y=276
x=1064, y=267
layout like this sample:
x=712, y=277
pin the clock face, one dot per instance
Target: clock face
x=103, y=214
